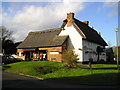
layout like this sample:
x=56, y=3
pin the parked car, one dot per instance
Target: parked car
x=20, y=57
x=115, y=58
x=7, y=59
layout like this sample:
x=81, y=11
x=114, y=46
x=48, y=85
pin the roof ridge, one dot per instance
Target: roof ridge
x=48, y=30
x=86, y=25
x=90, y=33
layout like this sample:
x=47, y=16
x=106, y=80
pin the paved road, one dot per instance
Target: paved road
x=10, y=80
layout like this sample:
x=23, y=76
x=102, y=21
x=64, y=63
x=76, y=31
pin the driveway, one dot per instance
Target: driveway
x=10, y=80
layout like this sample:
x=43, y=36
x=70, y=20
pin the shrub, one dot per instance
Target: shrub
x=45, y=69
x=70, y=58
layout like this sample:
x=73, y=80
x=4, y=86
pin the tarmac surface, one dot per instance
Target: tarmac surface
x=16, y=81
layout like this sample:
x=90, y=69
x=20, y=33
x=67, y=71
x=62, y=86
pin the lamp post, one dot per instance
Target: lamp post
x=116, y=30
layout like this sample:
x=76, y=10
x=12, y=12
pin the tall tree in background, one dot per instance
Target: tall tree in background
x=6, y=40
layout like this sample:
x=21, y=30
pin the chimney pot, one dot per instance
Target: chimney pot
x=99, y=33
x=86, y=22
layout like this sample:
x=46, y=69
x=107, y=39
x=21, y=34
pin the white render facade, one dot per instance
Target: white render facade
x=89, y=51
x=73, y=34
x=85, y=49
x=74, y=40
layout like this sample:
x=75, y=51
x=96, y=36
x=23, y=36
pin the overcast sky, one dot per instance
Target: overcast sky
x=24, y=17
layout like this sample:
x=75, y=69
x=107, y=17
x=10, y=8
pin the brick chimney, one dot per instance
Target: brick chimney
x=86, y=22
x=70, y=17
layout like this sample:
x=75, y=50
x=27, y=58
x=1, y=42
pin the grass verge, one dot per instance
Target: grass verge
x=56, y=71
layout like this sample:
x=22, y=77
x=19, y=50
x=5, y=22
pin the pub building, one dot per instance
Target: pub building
x=43, y=45
x=34, y=54
x=73, y=34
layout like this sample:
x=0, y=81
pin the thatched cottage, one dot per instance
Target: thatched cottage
x=75, y=34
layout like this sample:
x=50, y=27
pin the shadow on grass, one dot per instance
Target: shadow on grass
x=111, y=68
x=104, y=68
x=5, y=67
x=93, y=79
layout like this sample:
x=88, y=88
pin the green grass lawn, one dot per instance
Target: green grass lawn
x=56, y=71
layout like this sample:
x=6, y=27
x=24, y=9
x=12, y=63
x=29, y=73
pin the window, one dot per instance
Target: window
x=86, y=52
x=54, y=52
x=53, y=59
x=89, y=44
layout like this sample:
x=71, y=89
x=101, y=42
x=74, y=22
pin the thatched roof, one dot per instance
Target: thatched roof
x=89, y=33
x=46, y=38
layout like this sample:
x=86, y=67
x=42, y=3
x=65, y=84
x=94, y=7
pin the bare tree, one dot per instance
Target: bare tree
x=5, y=34
x=6, y=40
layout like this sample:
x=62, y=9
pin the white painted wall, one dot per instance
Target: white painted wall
x=74, y=40
x=93, y=47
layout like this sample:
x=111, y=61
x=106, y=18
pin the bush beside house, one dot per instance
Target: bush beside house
x=70, y=58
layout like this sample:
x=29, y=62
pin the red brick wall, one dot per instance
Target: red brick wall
x=58, y=57
x=51, y=56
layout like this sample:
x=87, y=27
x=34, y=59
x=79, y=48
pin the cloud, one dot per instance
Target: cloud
x=113, y=7
x=34, y=18
x=60, y=0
